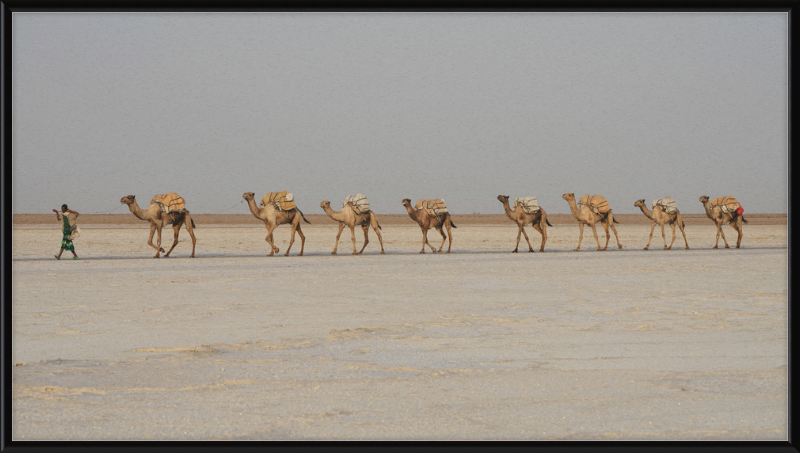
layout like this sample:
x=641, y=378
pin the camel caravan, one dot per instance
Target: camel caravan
x=279, y=208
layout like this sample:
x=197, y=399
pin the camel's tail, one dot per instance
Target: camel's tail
x=733, y=219
x=304, y=217
x=192, y=220
x=379, y=226
x=615, y=220
x=452, y=224
x=683, y=224
x=547, y=221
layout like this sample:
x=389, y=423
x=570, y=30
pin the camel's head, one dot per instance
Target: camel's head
x=568, y=196
x=704, y=199
x=406, y=202
x=503, y=198
x=248, y=195
x=325, y=204
x=128, y=200
x=639, y=203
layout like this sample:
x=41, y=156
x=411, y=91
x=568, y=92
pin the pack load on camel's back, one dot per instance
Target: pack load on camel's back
x=666, y=204
x=728, y=205
x=435, y=207
x=359, y=203
x=282, y=201
x=597, y=203
x=170, y=202
x=529, y=204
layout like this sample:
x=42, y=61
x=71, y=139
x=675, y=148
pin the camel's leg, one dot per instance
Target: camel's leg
x=605, y=228
x=374, y=222
x=450, y=234
x=734, y=226
x=273, y=249
x=425, y=240
x=519, y=235
x=527, y=239
x=740, y=229
x=652, y=228
x=365, y=228
x=580, y=237
x=190, y=229
x=158, y=244
x=341, y=227
x=541, y=228
x=353, y=237
x=444, y=238
x=663, y=235
x=721, y=233
x=613, y=228
x=672, y=225
x=295, y=226
x=176, y=230
x=272, y=240
x=302, y=238
x=679, y=221
x=150, y=240
x=594, y=230
x=433, y=249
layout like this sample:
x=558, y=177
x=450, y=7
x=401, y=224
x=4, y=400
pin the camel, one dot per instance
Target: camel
x=660, y=217
x=586, y=216
x=521, y=218
x=272, y=218
x=426, y=221
x=735, y=220
x=160, y=219
x=347, y=216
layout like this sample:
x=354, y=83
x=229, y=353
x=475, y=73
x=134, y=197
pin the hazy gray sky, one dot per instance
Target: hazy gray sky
x=459, y=106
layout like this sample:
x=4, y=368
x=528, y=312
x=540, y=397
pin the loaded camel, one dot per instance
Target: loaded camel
x=661, y=217
x=719, y=217
x=160, y=219
x=521, y=218
x=272, y=218
x=426, y=221
x=586, y=216
x=348, y=216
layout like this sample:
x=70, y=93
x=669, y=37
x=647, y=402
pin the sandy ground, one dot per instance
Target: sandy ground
x=477, y=344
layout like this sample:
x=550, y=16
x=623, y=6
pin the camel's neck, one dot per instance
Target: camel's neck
x=574, y=208
x=709, y=211
x=251, y=203
x=412, y=213
x=137, y=211
x=337, y=216
x=508, y=210
x=646, y=212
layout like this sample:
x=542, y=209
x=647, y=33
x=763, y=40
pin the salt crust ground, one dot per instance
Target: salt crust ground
x=478, y=344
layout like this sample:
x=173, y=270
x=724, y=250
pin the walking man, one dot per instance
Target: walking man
x=69, y=219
